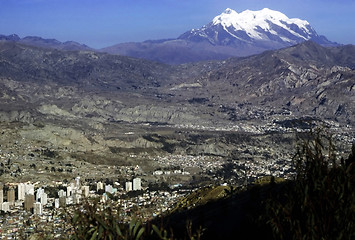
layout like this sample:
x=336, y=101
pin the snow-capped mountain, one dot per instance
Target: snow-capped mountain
x=229, y=34
x=264, y=28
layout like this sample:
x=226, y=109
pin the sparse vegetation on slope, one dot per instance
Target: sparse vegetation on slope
x=320, y=203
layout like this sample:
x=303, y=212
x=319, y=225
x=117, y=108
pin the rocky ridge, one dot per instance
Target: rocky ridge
x=46, y=43
x=103, y=103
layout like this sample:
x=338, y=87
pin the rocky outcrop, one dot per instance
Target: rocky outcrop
x=96, y=88
x=16, y=116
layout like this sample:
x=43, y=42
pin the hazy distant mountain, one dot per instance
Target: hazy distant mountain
x=46, y=43
x=229, y=34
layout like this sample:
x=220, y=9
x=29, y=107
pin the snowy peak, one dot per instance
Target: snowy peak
x=226, y=16
x=230, y=34
x=264, y=28
x=266, y=19
x=229, y=11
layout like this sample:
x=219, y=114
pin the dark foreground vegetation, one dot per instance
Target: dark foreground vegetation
x=318, y=204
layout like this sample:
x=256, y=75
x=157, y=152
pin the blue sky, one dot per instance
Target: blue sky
x=101, y=23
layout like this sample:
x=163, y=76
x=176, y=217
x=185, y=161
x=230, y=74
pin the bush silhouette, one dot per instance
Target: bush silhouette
x=320, y=202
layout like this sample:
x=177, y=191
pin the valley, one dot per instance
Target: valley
x=240, y=126
x=93, y=110
x=107, y=119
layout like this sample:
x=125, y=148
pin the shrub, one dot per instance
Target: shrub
x=320, y=203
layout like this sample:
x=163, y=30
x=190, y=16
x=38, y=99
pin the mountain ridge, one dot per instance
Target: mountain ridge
x=306, y=79
x=229, y=34
x=46, y=43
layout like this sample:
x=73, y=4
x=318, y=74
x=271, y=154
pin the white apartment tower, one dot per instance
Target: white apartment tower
x=69, y=191
x=61, y=193
x=21, y=191
x=39, y=193
x=128, y=186
x=56, y=203
x=99, y=186
x=108, y=188
x=77, y=182
x=137, y=184
x=5, y=206
x=44, y=199
x=1, y=196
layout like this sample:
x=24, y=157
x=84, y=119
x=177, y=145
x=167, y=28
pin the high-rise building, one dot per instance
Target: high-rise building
x=56, y=203
x=99, y=186
x=21, y=190
x=1, y=195
x=5, y=206
x=37, y=208
x=137, y=184
x=76, y=197
x=44, y=199
x=108, y=188
x=61, y=193
x=11, y=196
x=29, y=189
x=128, y=186
x=77, y=182
x=29, y=201
x=69, y=191
x=39, y=193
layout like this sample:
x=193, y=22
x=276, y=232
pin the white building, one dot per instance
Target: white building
x=5, y=206
x=56, y=203
x=99, y=186
x=128, y=186
x=108, y=188
x=21, y=191
x=76, y=197
x=39, y=193
x=61, y=193
x=69, y=191
x=137, y=184
x=29, y=189
x=1, y=196
x=44, y=199
x=77, y=182
x=37, y=208
x=158, y=172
